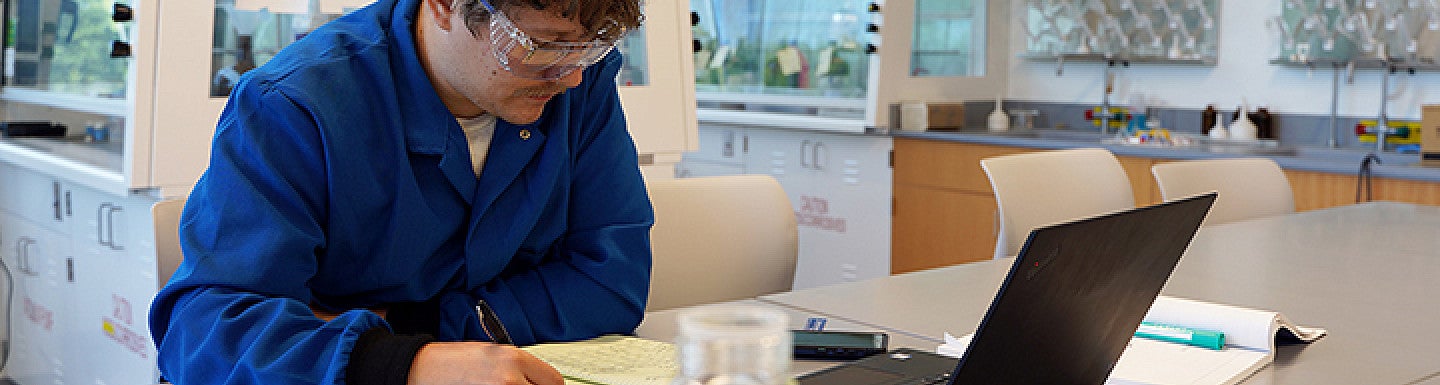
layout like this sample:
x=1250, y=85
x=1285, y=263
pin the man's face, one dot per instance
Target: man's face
x=472, y=70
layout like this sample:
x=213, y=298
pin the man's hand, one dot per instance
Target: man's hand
x=477, y=363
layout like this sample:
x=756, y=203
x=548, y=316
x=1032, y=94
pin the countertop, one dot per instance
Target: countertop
x=1345, y=161
x=108, y=155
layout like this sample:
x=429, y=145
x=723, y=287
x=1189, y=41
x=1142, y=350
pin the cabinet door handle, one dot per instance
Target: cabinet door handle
x=815, y=159
x=803, y=145
x=110, y=227
x=727, y=149
x=100, y=224
x=22, y=255
x=59, y=211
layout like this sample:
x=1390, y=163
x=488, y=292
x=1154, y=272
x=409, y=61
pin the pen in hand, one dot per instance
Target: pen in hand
x=490, y=323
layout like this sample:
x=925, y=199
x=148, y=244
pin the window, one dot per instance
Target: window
x=805, y=57
x=65, y=47
x=249, y=32
x=633, y=73
x=949, y=38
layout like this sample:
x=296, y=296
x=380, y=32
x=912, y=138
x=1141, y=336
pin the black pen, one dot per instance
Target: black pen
x=490, y=323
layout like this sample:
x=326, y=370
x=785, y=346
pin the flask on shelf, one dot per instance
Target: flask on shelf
x=1242, y=128
x=1218, y=132
x=733, y=345
x=1264, y=123
x=1208, y=117
x=998, y=120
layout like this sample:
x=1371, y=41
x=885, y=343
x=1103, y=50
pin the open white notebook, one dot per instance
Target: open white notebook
x=1249, y=345
x=612, y=360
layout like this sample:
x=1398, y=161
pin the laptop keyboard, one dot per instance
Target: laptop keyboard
x=935, y=379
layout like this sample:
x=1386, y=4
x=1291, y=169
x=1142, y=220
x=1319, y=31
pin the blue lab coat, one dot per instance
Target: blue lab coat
x=339, y=181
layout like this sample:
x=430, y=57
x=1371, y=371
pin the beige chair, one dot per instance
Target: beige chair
x=1249, y=187
x=719, y=239
x=167, y=237
x=1034, y=189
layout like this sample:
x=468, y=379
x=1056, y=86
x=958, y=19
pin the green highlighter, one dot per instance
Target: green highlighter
x=1195, y=337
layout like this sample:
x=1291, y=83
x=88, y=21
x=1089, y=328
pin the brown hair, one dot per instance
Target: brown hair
x=595, y=15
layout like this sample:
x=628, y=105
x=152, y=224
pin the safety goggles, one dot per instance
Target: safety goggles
x=527, y=57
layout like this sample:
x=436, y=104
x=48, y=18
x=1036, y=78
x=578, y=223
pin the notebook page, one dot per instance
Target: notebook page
x=610, y=360
x=1249, y=345
x=1248, y=328
x=1147, y=361
x=1243, y=327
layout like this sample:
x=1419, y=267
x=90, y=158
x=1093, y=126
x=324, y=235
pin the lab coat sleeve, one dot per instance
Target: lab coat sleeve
x=236, y=311
x=597, y=278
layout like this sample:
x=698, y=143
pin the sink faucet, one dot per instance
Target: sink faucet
x=1105, y=99
x=1382, y=125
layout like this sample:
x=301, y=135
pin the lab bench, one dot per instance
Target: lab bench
x=944, y=206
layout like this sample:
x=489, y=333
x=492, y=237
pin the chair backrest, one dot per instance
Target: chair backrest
x=167, y=237
x=720, y=238
x=1034, y=189
x=1249, y=187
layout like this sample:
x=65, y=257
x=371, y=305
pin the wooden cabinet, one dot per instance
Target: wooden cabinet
x=937, y=227
x=945, y=211
x=944, y=208
x=1318, y=190
x=945, y=214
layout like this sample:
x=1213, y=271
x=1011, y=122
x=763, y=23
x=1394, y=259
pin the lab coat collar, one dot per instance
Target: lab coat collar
x=429, y=122
x=512, y=148
x=437, y=133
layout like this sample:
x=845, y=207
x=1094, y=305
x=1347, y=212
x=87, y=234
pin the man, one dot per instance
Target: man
x=362, y=197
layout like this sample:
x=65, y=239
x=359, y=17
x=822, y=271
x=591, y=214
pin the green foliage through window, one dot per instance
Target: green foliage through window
x=82, y=64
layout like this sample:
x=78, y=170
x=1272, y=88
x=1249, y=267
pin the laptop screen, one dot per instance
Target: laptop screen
x=1065, y=312
x=1076, y=294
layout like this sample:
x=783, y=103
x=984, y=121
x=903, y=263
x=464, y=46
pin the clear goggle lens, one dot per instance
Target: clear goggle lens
x=546, y=60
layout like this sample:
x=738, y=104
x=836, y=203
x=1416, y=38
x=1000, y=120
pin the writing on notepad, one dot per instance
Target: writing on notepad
x=610, y=360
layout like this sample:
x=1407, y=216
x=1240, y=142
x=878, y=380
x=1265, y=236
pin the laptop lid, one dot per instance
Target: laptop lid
x=1076, y=293
x=1065, y=312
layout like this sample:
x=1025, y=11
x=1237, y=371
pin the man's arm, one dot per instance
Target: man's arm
x=237, y=309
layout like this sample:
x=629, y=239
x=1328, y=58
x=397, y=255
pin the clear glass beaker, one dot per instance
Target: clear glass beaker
x=733, y=345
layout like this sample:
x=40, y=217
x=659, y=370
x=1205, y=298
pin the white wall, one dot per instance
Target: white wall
x=1245, y=50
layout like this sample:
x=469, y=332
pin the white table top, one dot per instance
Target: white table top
x=1368, y=273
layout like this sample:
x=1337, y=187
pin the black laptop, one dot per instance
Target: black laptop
x=1066, y=311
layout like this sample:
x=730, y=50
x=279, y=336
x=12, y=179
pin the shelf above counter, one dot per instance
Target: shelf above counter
x=1424, y=65
x=1343, y=161
x=66, y=101
x=1102, y=58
